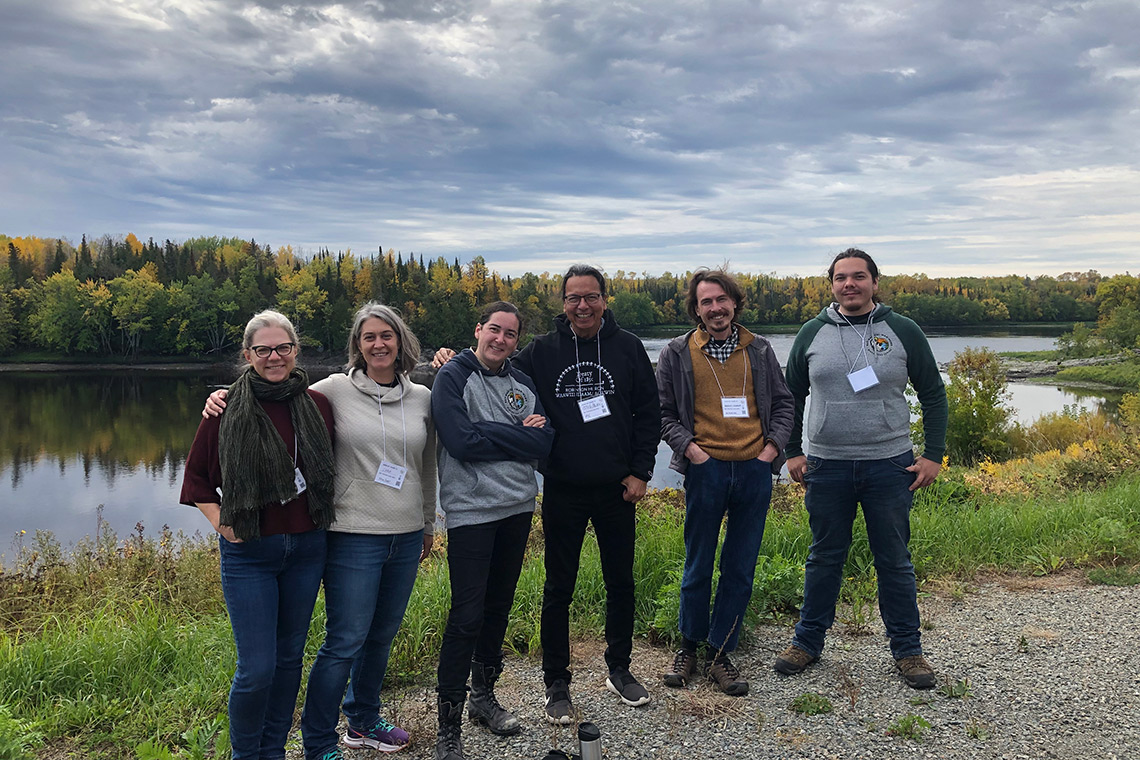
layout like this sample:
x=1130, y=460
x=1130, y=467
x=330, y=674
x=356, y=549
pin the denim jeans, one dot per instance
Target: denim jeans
x=566, y=510
x=368, y=581
x=881, y=487
x=713, y=489
x=270, y=586
x=483, y=562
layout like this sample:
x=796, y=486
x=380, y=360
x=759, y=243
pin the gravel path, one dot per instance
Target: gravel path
x=1045, y=681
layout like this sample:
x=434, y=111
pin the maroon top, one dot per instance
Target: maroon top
x=203, y=475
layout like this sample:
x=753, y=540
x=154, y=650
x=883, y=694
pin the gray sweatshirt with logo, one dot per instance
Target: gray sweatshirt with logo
x=873, y=423
x=487, y=458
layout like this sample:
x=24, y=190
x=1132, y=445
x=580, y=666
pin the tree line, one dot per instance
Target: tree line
x=120, y=296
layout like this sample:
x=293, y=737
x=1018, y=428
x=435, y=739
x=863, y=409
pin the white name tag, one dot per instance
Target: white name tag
x=298, y=483
x=594, y=408
x=734, y=406
x=863, y=379
x=389, y=474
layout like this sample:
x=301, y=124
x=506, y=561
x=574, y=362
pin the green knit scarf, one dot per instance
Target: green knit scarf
x=256, y=468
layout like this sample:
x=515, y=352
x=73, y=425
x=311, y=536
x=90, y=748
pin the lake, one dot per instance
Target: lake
x=72, y=441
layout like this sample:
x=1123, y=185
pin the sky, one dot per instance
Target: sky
x=949, y=137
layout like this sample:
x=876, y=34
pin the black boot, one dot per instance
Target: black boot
x=449, y=741
x=482, y=705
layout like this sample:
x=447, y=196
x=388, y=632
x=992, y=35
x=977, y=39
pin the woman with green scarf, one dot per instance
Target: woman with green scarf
x=262, y=474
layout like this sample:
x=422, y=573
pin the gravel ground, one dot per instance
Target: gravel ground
x=1044, y=682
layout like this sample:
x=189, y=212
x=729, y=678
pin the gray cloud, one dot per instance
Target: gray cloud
x=947, y=135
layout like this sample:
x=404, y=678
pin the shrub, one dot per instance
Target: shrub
x=979, y=415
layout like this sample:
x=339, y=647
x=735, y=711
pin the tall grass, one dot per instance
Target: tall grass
x=1124, y=374
x=124, y=642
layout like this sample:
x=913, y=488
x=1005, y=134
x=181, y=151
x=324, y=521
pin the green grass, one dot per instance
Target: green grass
x=1031, y=356
x=1125, y=374
x=128, y=642
x=810, y=703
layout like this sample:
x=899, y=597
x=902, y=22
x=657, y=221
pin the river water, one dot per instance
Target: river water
x=71, y=442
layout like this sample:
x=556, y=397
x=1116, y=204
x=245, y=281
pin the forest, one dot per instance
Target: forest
x=121, y=297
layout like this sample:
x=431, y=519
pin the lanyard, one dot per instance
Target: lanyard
x=743, y=388
x=383, y=429
x=601, y=384
x=862, y=339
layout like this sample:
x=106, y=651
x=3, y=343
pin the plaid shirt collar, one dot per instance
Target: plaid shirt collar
x=722, y=349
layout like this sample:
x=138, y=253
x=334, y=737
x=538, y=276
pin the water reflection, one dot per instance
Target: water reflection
x=103, y=423
x=72, y=441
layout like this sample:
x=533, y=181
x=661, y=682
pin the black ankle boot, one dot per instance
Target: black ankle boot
x=482, y=705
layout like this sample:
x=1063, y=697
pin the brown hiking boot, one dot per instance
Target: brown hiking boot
x=684, y=665
x=916, y=671
x=725, y=675
x=792, y=660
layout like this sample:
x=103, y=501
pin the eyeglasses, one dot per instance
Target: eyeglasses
x=590, y=298
x=283, y=350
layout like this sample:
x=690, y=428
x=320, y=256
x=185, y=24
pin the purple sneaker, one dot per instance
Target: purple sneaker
x=382, y=736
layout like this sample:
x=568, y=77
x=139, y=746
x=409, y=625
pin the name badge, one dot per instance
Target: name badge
x=392, y=475
x=298, y=483
x=734, y=406
x=594, y=408
x=863, y=379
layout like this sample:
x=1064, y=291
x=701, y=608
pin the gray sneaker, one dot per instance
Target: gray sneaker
x=622, y=683
x=559, y=709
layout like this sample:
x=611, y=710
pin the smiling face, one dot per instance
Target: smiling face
x=496, y=339
x=715, y=309
x=380, y=348
x=853, y=286
x=274, y=367
x=583, y=304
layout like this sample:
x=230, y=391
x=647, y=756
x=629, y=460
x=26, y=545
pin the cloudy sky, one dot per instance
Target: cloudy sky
x=943, y=136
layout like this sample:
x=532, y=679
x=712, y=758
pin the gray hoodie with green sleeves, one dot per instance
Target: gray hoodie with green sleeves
x=873, y=423
x=487, y=457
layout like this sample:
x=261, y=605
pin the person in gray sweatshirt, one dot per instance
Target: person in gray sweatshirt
x=855, y=359
x=492, y=431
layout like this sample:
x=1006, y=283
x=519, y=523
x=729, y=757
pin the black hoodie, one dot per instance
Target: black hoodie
x=607, y=449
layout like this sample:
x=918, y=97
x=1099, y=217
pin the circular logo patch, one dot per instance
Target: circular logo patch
x=515, y=400
x=879, y=344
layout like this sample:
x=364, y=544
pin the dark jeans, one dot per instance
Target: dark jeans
x=713, y=489
x=881, y=487
x=566, y=509
x=368, y=580
x=270, y=586
x=483, y=562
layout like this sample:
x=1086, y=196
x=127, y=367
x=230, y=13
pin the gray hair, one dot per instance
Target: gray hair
x=584, y=270
x=407, y=343
x=268, y=318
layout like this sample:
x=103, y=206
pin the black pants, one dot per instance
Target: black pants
x=484, y=562
x=566, y=509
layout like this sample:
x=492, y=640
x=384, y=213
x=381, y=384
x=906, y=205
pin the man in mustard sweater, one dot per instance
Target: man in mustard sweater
x=727, y=413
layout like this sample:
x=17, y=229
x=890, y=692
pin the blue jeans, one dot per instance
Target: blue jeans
x=270, y=586
x=834, y=488
x=742, y=490
x=368, y=581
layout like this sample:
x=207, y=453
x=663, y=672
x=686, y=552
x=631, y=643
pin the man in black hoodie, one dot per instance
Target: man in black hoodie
x=597, y=385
